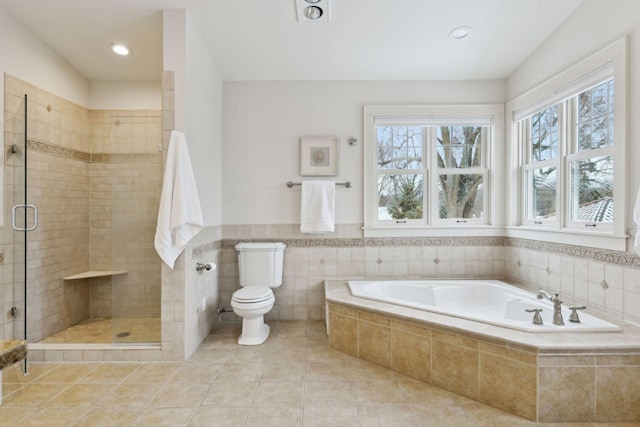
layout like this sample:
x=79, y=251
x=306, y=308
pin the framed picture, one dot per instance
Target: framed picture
x=319, y=155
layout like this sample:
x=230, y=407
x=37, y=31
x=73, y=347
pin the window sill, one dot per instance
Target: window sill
x=570, y=237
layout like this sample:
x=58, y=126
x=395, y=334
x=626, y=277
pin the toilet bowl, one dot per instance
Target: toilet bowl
x=252, y=303
x=260, y=271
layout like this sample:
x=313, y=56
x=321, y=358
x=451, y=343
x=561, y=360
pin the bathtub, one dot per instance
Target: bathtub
x=488, y=301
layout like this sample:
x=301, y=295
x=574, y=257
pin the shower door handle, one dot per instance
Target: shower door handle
x=25, y=228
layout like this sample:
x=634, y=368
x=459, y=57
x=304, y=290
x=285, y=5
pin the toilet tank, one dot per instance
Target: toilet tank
x=260, y=263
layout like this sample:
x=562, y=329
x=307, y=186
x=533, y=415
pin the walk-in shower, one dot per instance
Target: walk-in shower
x=88, y=273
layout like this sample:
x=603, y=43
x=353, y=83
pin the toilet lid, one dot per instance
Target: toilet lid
x=252, y=293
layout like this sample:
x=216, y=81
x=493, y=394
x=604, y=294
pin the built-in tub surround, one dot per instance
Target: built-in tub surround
x=572, y=377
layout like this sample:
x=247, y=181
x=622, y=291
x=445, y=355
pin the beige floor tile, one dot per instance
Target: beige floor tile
x=177, y=395
x=243, y=372
x=280, y=416
x=283, y=371
x=387, y=416
x=109, y=417
x=11, y=415
x=328, y=393
x=219, y=417
x=197, y=372
x=110, y=373
x=80, y=395
x=53, y=417
x=418, y=392
x=35, y=371
x=231, y=394
x=154, y=372
x=33, y=394
x=323, y=416
x=130, y=395
x=361, y=370
x=211, y=355
x=431, y=415
x=164, y=417
x=279, y=394
x=325, y=371
x=378, y=393
x=248, y=354
x=222, y=340
x=290, y=354
x=66, y=373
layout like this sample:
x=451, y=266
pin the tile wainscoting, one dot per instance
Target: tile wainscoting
x=605, y=280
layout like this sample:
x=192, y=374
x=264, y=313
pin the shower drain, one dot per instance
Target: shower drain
x=123, y=334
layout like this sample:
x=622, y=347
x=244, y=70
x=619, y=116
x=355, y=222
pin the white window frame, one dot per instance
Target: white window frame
x=437, y=115
x=611, y=61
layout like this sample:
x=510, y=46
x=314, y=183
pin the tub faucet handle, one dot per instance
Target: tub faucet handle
x=537, y=319
x=573, y=317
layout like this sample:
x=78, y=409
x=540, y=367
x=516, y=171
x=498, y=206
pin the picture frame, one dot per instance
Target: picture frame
x=319, y=155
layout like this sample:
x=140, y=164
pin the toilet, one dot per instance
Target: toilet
x=260, y=270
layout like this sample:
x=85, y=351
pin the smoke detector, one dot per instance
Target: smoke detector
x=313, y=10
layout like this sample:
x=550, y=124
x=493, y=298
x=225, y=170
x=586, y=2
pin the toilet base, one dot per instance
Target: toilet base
x=254, y=331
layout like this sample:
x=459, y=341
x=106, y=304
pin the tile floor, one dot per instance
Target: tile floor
x=101, y=330
x=294, y=379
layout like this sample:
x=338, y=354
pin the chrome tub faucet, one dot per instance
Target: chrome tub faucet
x=557, y=305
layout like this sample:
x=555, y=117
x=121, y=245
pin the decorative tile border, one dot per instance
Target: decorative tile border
x=67, y=153
x=591, y=254
x=375, y=242
x=57, y=151
x=126, y=158
x=209, y=247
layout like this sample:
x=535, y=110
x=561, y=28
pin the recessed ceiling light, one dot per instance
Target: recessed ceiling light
x=120, y=49
x=313, y=10
x=460, y=32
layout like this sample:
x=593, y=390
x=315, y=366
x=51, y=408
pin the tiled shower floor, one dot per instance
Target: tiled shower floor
x=294, y=379
x=104, y=330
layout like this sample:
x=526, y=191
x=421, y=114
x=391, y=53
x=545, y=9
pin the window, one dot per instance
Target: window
x=426, y=170
x=571, y=144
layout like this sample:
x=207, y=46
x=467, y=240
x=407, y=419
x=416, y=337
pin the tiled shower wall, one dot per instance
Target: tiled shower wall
x=81, y=165
x=608, y=281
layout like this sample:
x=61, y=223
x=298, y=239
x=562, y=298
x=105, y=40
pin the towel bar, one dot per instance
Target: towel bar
x=346, y=184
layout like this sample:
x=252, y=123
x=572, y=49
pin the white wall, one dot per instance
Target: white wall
x=126, y=95
x=198, y=100
x=28, y=58
x=263, y=123
x=594, y=25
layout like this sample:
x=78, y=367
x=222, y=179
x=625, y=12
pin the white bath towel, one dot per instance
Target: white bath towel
x=317, y=207
x=179, y=215
x=636, y=219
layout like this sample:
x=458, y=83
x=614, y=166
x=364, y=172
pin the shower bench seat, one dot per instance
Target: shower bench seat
x=92, y=274
x=11, y=351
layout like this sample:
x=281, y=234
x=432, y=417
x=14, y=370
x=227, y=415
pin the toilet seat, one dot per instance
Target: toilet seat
x=252, y=295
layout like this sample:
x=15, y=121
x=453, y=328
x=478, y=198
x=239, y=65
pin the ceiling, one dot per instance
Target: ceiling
x=262, y=40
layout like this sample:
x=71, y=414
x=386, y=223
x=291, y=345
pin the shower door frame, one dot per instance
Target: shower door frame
x=19, y=232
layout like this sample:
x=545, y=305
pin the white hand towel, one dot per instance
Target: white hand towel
x=179, y=215
x=636, y=219
x=317, y=206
